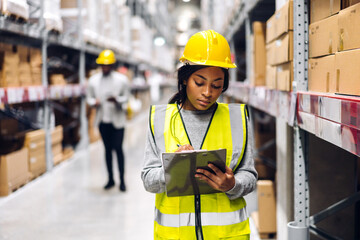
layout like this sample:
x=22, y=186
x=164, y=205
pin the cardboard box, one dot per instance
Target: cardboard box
x=25, y=78
x=281, y=50
x=57, y=135
x=280, y=3
x=347, y=72
x=349, y=30
x=323, y=37
x=320, y=9
x=259, y=55
x=35, y=57
x=284, y=76
x=37, y=162
x=13, y=171
x=266, y=206
x=24, y=53
x=322, y=74
x=35, y=138
x=58, y=158
x=57, y=79
x=9, y=76
x=281, y=22
x=36, y=75
x=68, y=3
x=56, y=149
x=348, y=3
x=68, y=152
x=270, y=77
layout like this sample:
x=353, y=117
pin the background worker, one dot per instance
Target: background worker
x=108, y=91
x=194, y=119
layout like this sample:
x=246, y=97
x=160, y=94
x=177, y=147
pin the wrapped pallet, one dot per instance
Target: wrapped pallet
x=18, y=8
x=51, y=14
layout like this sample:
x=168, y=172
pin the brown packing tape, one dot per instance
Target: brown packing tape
x=341, y=40
x=330, y=42
x=327, y=82
x=337, y=79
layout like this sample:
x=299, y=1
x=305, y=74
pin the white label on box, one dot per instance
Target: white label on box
x=32, y=145
x=33, y=160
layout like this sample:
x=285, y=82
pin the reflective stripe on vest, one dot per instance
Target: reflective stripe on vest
x=207, y=219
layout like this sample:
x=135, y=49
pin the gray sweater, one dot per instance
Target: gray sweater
x=196, y=123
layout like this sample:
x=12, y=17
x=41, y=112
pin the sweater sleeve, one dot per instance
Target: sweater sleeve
x=152, y=173
x=245, y=174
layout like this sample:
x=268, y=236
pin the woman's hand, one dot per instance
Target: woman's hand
x=219, y=181
x=185, y=147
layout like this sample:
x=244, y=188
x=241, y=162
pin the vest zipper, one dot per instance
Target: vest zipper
x=198, y=227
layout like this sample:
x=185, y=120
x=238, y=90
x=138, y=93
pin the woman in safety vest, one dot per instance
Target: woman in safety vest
x=194, y=120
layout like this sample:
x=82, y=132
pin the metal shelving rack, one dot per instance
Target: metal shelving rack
x=38, y=35
x=331, y=117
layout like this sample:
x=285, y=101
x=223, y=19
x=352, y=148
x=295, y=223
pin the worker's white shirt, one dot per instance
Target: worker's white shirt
x=101, y=88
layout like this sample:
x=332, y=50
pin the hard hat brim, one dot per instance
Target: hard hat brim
x=104, y=62
x=209, y=63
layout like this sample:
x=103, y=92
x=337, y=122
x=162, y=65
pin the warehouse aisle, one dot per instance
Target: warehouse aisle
x=70, y=203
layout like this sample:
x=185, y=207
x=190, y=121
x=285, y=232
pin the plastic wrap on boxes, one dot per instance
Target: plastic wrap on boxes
x=51, y=14
x=19, y=8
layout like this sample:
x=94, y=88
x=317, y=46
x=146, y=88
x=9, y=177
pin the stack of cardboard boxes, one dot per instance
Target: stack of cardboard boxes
x=18, y=8
x=265, y=217
x=9, y=63
x=19, y=66
x=258, y=72
x=14, y=171
x=35, y=143
x=279, y=49
x=334, y=47
x=56, y=144
x=36, y=66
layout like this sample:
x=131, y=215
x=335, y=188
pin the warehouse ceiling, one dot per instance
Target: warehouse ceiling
x=186, y=15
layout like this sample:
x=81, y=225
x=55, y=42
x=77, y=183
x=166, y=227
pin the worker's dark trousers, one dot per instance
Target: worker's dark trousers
x=113, y=139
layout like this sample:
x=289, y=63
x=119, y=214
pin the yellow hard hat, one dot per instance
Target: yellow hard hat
x=106, y=57
x=208, y=48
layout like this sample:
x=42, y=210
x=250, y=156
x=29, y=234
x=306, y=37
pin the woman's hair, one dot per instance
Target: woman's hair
x=184, y=74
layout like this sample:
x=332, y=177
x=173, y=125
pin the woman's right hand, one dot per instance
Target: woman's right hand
x=185, y=147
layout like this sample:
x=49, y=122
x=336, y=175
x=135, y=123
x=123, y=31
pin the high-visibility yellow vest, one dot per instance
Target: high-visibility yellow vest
x=214, y=216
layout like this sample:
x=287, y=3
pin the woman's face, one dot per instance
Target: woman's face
x=203, y=88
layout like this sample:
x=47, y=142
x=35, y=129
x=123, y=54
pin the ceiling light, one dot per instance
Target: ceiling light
x=186, y=0
x=159, y=41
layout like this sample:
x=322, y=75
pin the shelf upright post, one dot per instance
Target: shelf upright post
x=47, y=112
x=299, y=228
x=84, y=139
x=249, y=48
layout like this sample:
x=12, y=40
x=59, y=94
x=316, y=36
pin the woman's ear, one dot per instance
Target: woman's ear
x=184, y=82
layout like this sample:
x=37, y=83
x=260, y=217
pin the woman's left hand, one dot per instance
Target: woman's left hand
x=219, y=181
